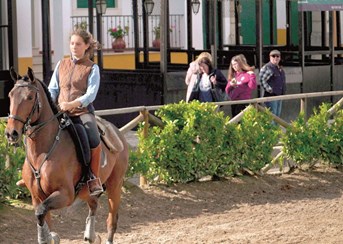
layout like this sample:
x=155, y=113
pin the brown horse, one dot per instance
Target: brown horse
x=51, y=169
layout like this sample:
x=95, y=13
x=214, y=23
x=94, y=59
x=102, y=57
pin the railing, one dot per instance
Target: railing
x=176, y=26
x=303, y=97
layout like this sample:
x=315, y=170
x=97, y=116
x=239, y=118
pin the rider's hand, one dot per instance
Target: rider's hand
x=68, y=106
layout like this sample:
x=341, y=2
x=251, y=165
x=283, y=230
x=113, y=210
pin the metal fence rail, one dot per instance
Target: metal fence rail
x=257, y=102
x=303, y=97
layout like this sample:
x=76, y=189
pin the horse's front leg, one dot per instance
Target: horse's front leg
x=45, y=236
x=90, y=234
x=55, y=201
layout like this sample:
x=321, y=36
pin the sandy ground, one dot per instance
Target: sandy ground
x=302, y=207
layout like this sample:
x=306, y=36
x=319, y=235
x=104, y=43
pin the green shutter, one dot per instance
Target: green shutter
x=111, y=3
x=248, y=22
x=84, y=3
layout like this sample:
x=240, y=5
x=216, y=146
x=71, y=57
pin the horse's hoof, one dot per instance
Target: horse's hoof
x=97, y=240
x=55, y=239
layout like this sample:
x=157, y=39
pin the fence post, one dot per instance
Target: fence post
x=145, y=113
x=303, y=106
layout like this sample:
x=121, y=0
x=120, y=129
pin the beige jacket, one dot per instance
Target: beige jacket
x=191, y=78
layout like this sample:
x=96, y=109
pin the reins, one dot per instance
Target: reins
x=38, y=127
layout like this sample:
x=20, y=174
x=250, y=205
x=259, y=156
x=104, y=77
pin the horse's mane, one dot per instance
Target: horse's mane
x=47, y=93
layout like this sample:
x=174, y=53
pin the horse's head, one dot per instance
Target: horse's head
x=24, y=105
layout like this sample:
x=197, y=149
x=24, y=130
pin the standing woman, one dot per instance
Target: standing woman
x=242, y=81
x=209, y=77
x=192, y=75
x=74, y=86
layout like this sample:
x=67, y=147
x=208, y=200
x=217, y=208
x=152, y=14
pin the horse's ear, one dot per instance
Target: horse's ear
x=14, y=75
x=31, y=74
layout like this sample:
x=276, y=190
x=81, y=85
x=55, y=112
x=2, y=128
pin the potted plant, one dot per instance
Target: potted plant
x=157, y=31
x=118, y=34
x=81, y=25
x=156, y=42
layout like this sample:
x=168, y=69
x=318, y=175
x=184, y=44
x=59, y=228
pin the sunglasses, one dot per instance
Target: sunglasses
x=275, y=56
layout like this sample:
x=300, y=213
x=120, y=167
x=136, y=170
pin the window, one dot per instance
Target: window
x=84, y=3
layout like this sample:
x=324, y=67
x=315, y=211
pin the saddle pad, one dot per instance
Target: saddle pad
x=109, y=135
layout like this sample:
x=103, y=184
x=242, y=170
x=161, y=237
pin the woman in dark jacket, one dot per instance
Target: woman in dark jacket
x=210, y=78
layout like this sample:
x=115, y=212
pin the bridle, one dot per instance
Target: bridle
x=36, y=106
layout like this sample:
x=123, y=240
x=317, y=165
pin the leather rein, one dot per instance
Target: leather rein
x=35, y=128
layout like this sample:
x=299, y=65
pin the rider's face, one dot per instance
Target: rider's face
x=77, y=46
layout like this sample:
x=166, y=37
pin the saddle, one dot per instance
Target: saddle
x=109, y=135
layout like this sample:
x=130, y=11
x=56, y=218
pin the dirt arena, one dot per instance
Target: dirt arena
x=302, y=207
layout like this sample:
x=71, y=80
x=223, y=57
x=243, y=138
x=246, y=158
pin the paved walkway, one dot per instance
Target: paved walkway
x=132, y=139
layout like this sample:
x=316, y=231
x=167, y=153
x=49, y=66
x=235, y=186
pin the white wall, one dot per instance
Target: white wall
x=24, y=28
x=126, y=9
x=177, y=7
x=60, y=12
x=30, y=27
x=281, y=14
x=228, y=22
x=197, y=31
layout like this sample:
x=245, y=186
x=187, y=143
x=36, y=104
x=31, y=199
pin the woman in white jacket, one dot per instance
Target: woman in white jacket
x=192, y=73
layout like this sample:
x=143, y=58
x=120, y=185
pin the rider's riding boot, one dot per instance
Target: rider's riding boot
x=94, y=184
x=20, y=183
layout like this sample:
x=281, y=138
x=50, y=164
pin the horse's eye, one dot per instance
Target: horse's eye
x=30, y=97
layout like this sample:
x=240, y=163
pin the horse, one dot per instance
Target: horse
x=52, y=169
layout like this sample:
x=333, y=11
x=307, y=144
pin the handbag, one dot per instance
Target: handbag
x=195, y=91
x=217, y=94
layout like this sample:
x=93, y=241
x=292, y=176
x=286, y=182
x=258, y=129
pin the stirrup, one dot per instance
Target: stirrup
x=95, y=187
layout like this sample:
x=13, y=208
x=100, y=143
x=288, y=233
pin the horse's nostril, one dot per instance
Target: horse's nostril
x=12, y=136
x=15, y=135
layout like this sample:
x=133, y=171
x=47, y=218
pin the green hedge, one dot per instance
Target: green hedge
x=11, y=161
x=315, y=140
x=198, y=141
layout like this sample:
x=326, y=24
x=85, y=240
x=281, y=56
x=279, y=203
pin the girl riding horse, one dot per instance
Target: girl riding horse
x=74, y=85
